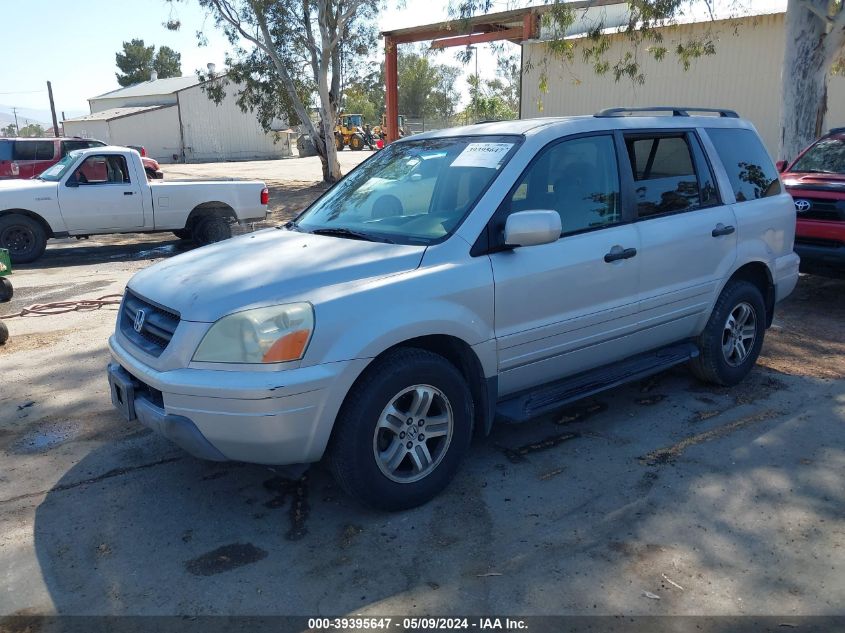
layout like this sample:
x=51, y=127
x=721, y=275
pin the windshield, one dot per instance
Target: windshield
x=55, y=172
x=414, y=192
x=828, y=155
x=354, y=120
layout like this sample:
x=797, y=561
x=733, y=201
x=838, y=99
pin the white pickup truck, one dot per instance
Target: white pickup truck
x=105, y=190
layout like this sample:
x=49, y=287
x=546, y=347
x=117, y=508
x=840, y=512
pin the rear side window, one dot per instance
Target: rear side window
x=5, y=150
x=670, y=174
x=33, y=150
x=750, y=169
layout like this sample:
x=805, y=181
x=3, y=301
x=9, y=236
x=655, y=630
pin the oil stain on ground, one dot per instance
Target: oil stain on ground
x=225, y=558
x=297, y=490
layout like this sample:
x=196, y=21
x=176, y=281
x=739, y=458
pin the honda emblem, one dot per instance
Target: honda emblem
x=139, y=321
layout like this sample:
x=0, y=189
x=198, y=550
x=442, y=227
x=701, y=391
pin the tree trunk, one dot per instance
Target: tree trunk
x=804, y=81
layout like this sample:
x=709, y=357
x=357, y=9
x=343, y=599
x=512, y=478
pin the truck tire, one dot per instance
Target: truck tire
x=210, y=229
x=6, y=290
x=732, y=340
x=4, y=333
x=24, y=237
x=356, y=143
x=182, y=234
x=403, y=430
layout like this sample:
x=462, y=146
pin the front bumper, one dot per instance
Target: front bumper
x=819, y=256
x=266, y=417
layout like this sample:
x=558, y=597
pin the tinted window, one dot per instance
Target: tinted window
x=33, y=150
x=5, y=150
x=665, y=175
x=747, y=162
x=69, y=146
x=826, y=156
x=579, y=179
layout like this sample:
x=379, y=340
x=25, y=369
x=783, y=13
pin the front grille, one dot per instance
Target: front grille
x=156, y=328
x=820, y=208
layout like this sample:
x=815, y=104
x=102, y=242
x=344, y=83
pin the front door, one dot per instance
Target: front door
x=102, y=195
x=569, y=306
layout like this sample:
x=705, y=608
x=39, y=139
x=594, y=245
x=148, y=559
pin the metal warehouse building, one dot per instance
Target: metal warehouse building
x=743, y=75
x=176, y=122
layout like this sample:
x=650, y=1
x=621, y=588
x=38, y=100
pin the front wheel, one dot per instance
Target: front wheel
x=23, y=237
x=6, y=290
x=732, y=340
x=4, y=333
x=402, y=431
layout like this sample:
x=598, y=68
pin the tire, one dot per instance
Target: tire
x=182, y=234
x=739, y=315
x=6, y=290
x=4, y=333
x=356, y=143
x=24, y=237
x=210, y=229
x=338, y=141
x=364, y=430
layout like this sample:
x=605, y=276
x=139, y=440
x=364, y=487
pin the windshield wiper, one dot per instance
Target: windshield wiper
x=349, y=233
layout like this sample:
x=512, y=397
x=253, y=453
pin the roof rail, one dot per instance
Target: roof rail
x=675, y=110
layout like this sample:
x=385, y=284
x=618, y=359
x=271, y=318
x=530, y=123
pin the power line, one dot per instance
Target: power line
x=25, y=92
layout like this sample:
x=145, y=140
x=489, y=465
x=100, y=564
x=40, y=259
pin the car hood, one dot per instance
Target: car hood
x=25, y=185
x=821, y=182
x=265, y=268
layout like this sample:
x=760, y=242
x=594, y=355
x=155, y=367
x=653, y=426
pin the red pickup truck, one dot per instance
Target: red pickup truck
x=816, y=180
x=28, y=157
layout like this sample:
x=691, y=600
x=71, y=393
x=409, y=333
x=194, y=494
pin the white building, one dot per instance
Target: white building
x=743, y=75
x=176, y=121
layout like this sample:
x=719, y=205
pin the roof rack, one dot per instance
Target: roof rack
x=675, y=110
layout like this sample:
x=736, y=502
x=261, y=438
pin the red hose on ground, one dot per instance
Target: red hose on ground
x=60, y=307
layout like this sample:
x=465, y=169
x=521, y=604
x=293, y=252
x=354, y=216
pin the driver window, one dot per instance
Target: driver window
x=102, y=170
x=578, y=178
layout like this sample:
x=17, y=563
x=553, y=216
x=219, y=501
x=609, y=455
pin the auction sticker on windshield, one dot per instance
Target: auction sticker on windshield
x=482, y=155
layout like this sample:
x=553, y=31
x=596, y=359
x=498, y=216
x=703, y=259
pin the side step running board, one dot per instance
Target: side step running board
x=530, y=404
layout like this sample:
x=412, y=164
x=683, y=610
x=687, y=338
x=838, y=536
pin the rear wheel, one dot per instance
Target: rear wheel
x=356, y=142
x=403, y=430
x=24, y=238
x=733, y=338
x=4, y=333
x=182, y=234
x=338, y=141
x=210, y=229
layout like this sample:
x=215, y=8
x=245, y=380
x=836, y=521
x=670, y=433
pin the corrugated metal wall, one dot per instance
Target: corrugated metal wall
x=223, y=132
x=98, y=105
x=743, y=75
x=88, y=129
x=156, y=130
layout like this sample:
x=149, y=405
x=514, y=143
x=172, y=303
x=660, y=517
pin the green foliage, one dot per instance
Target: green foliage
x=10, y=130
x=137, y=61
x=31, y=130
x=167, y=63
x=491, y=100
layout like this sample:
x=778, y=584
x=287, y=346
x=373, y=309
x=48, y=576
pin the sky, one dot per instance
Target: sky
x=77, y=42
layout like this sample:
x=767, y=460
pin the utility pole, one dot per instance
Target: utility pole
x=53, y=110
x=15, y=112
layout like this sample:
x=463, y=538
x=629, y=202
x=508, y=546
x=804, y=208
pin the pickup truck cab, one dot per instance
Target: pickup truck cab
x=105, y=190
x=554, y=258
x=816, y=180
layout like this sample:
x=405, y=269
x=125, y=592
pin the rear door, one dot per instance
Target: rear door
x=34, y=156
x=102, y=194
x=688, y=236
x=568, y=306
x=6, y=151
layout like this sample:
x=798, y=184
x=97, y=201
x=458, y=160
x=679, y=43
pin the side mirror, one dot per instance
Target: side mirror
x=781, y=166
x=532, y=228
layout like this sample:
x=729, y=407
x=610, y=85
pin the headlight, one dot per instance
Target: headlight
x=265, y=335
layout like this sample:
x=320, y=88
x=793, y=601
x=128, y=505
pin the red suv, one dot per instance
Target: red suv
x=28, y=157
x=816, y=180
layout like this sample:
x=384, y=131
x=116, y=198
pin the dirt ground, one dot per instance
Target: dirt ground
x=662, y=497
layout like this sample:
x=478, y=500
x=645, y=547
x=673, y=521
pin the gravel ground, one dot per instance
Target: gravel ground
x=662, y=497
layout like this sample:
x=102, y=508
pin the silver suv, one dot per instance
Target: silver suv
x=498, y=270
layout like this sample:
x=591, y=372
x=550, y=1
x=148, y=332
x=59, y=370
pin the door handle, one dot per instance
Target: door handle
x=128, y=193
x=721, y=229
x=617, y=252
